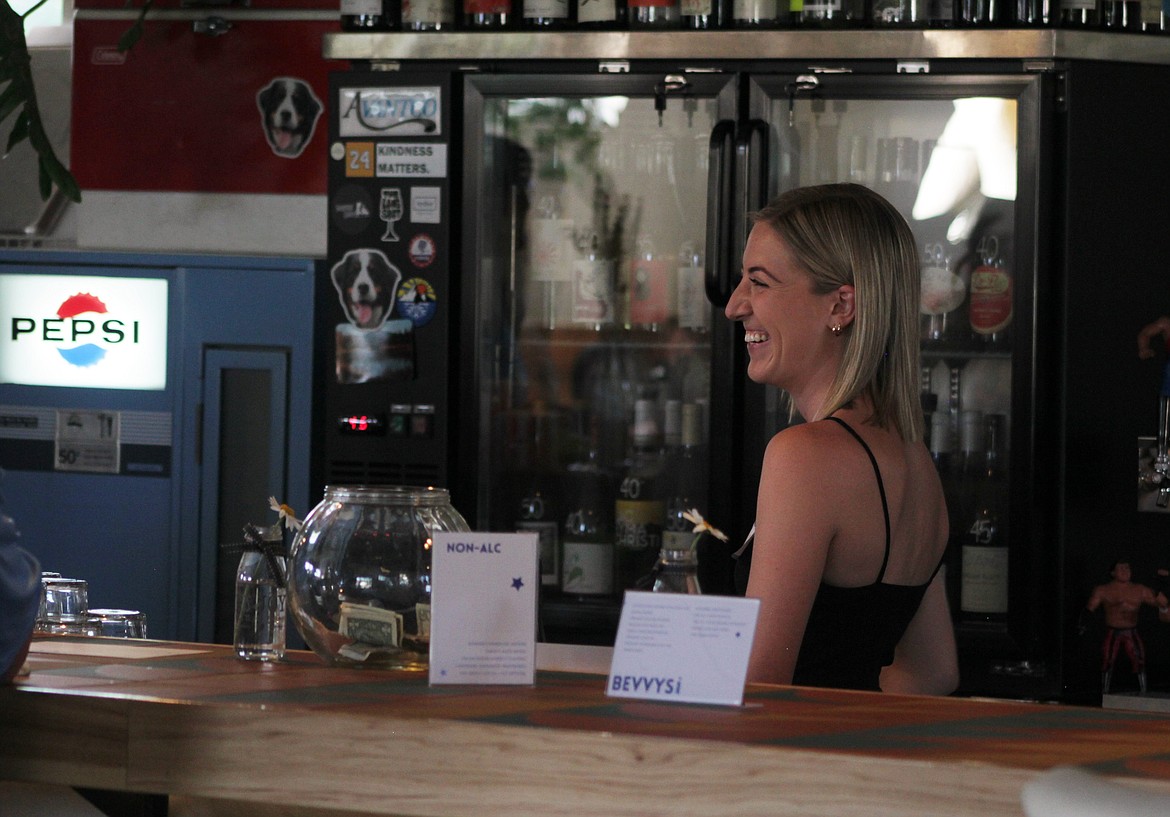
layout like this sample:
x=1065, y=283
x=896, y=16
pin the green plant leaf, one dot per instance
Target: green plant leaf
x=19, y=131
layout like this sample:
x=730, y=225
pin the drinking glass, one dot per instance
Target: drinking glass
x=116, y=623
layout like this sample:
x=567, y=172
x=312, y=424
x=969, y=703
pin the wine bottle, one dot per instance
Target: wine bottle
x=639, y=508
x=991, y=295
x=428, y=15
x=1079, y=13
x=1035, y=13
x=693, y=308
x=592, y=300
x=653, y=14
x=648, y=288
x=900, y=13
x=1121, y=15
x=703, y=15
x=601, y=15
x=370, y=15
x=983, y=595
x=941, y=13
x=980, y=13
x=943, y=297
x=834, y=14
x=588, y=542
x=545, y=15
x=552, y=255
x=686, y=470
x=491, y=14
x=539, y=508
x=758, y=13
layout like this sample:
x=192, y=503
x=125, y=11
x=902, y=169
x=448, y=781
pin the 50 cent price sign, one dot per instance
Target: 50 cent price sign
x=88, y=441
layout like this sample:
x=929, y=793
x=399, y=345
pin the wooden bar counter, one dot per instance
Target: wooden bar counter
x=193, y=722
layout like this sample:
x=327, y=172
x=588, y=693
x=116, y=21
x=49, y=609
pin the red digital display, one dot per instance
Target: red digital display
x=364, y=424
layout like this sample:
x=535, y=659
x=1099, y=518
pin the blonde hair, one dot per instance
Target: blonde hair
x=848, y=234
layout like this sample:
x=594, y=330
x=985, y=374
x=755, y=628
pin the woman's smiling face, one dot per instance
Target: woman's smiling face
x=786, y=325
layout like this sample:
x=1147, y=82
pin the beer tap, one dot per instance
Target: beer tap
x=1161, y=460
x=1160, y=472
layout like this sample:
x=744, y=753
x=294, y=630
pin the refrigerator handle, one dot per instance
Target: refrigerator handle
x=720, y=175
x=751, y=165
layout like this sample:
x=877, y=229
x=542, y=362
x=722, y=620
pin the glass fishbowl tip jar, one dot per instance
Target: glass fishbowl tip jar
x=360, y=579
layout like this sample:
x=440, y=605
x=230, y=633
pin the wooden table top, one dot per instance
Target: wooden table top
x=191, y=719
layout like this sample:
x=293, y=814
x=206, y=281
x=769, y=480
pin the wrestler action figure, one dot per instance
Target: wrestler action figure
x=1122, y=600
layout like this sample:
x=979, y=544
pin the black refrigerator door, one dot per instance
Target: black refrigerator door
x=590, y=349
x=967, y=160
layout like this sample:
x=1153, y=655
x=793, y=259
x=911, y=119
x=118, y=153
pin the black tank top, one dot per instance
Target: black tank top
x=851, y=631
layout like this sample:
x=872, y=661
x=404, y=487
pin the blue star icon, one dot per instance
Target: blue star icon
x=517, y=582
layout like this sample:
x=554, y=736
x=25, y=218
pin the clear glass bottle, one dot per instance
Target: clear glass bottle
x=587, y=544
x=428, y=15
x=370, y=15
x=758, y=13
x=361, y=573
x=677, y=571
x=653, y=14
x=261, y=596
x=601, y=15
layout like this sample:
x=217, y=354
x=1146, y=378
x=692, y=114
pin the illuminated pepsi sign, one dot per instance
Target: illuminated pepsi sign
x=83, y=331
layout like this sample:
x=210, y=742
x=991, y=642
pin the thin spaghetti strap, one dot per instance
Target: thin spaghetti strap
x=881, y=490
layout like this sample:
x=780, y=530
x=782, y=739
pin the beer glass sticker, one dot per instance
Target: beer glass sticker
x=390, y=210
x=389, y=111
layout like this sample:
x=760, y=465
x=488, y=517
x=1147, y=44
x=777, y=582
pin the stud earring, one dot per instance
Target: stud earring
x=836, y=330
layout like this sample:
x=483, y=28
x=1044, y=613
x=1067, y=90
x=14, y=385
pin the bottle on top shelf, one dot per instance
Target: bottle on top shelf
x=759, y=13
x=1036, y=13
x=702, y=15
x=1121, y=15
x=983, y=595
x=370, y=15
x=546, y=15
x=1080, y=13
x=941, y=13
x=653, y=14
x=489, y=14
x=981, y=13
x=601, y=15
x=834, y=14
x=428, y=15
x=900, y=13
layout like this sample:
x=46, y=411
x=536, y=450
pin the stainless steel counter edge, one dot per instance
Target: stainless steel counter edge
x=929, y=44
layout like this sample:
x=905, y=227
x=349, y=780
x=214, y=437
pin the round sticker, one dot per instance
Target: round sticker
x=351, y=209
x=422, y=250
x=337, y=151
x=416, y=300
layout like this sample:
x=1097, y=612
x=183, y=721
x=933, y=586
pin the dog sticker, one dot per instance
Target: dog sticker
x=289, y=111
x=366, y=283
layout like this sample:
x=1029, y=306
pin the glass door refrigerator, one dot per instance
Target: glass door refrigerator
x=958, y=155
